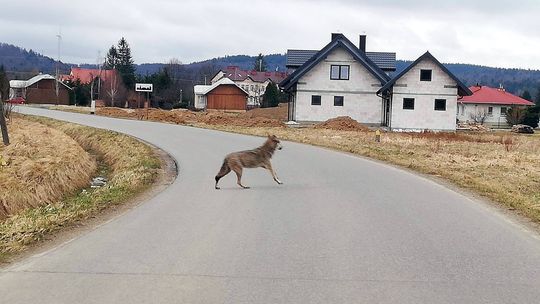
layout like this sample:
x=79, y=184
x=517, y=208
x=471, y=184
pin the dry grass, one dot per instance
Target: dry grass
x=130, y=165
x=43, y=165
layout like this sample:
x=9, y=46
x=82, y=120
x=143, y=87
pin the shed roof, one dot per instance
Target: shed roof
x=31, y=81
x=488, y=95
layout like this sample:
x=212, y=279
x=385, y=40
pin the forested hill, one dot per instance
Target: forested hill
x=21, y=64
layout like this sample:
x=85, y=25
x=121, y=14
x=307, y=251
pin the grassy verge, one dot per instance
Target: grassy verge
x=42, y=164
x=131, y=167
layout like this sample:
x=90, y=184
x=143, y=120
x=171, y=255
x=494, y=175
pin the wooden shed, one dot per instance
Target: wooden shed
x=222, y=95
x=40, y=89
x=227, y=97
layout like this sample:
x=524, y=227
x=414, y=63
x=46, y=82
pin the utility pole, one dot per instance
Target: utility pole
x=59, y=36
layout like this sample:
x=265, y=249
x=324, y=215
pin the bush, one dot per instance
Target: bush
x=165, y=105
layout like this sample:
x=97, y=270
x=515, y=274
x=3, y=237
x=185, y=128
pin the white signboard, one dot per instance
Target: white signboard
x=144, y=87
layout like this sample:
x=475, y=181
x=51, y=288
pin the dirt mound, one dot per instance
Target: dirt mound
x=278, y=113
x=116, y=112
x=186, y=116
x=216, y=119
x=162, y=115
x=342, y=123
x=230, y=120
x=259, y=122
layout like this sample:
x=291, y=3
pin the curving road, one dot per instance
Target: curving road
x=340, y=230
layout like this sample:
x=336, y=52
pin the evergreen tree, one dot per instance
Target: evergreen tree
x=537, y=100
x=112, y=58
x=532, y=114
x=271, y=96
x=260, y=64
x=526, y=95
x=125, y=66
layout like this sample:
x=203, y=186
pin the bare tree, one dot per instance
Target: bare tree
x=115, y=90
x=479, y=116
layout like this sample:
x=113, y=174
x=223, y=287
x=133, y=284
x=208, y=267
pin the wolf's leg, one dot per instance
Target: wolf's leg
x=238, y=171
x=225, y=169
x=268, y=166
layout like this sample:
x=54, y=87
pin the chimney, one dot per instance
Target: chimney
x=362, y=45
x=336, y=36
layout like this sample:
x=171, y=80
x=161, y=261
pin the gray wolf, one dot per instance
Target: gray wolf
x=259, y=157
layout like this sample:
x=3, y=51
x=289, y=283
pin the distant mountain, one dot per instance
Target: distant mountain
x=22, y=64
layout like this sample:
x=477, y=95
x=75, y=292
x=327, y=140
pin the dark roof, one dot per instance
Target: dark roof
x=338, y=41
x=235, y=73
x=295, y=58
x=462, y=89
x=384, y=60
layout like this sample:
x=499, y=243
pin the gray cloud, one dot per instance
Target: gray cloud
x=495, y=33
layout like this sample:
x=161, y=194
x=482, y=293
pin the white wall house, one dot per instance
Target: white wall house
x=338, y=86
x=424, y=96
x=342, y=80
x=488, y=105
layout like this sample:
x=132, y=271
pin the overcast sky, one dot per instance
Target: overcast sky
x=499, y=33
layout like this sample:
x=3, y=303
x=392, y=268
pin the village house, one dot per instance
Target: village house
x=40, y=89
x=488, y=106
x=342, y=79
x=223, y=94
x=253, y=82
x=101, y=81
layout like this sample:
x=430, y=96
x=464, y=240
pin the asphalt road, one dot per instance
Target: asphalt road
x=340, y=230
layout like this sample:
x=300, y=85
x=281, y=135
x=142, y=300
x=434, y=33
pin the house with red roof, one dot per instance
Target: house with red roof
x=253, y=82
x=488, y=105
x=86, y=76
x=103, y=81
